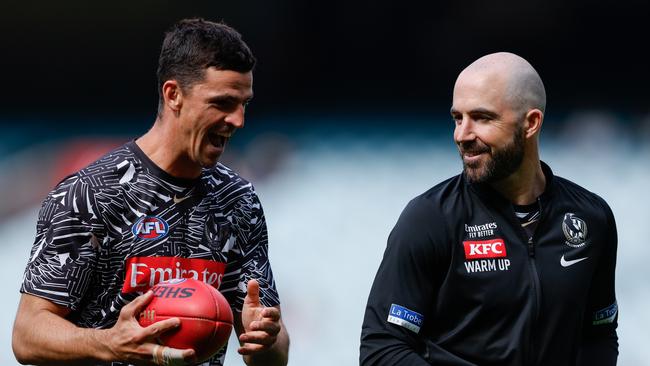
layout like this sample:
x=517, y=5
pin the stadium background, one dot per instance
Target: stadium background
x=350, y=121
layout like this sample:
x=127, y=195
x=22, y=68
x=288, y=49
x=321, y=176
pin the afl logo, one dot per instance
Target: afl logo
x=150, y=227
x=575, y=230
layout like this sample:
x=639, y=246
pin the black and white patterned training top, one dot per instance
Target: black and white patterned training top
x=114, y=229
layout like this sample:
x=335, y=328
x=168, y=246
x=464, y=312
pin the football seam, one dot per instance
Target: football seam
x=216, y=302
x=193, y=318
x=214, y=299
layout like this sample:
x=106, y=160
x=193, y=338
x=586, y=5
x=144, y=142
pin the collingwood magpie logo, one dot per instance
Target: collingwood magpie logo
x=216, y=235
x=575, y=230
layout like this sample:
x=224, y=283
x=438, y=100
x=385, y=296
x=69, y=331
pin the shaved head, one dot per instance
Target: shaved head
x=522, y=87
x=498, y=107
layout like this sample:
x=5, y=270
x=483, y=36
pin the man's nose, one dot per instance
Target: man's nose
x=464, y=131
x=236, y=117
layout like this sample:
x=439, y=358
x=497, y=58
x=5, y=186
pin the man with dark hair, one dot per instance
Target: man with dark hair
x=190, y=47
x=504, y=264
x=94, y=260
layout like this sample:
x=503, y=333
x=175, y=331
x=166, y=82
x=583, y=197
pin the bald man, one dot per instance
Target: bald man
x=504, y=264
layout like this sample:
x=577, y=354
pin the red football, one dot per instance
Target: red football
x=206, y=318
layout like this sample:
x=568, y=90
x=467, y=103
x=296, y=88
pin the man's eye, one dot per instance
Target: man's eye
x=224, y=105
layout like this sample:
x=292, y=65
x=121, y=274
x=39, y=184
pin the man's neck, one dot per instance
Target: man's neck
x=162, y=148
x=525, y=185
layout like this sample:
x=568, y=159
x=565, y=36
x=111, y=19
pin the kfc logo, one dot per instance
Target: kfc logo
x=493, y=248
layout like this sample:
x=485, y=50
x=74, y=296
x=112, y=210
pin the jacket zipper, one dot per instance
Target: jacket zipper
x=537, y=305
x=532, y=266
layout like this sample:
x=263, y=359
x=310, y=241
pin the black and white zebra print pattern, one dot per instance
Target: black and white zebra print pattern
x=85, y=233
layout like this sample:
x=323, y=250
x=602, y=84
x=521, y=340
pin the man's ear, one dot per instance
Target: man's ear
x=533, y=122
x=172, y=95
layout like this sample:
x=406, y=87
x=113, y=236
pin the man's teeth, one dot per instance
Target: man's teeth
x=474, y=153
x=215, y=139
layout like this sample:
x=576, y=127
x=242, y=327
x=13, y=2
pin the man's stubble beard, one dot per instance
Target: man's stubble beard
x=501, y=164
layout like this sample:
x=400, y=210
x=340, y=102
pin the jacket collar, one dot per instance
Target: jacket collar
x=486, y=192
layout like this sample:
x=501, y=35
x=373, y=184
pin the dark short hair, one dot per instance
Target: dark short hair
x=193, y=45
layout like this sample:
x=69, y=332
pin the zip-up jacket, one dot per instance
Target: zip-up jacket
x=462, y=283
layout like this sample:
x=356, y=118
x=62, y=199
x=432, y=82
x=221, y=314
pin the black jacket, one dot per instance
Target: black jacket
x=461, y=283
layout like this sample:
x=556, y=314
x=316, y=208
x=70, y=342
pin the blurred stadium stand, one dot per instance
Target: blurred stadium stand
x=332, y=196
x=349, y=122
